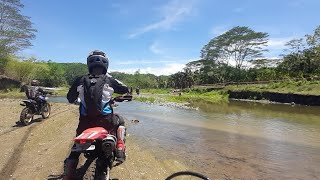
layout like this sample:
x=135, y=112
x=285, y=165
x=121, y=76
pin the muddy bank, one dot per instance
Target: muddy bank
x=312, y=100
x=7, y=83
x=37, y=151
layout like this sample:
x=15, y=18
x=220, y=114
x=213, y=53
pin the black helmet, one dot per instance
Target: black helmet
x=35, y=83
x=97, y=58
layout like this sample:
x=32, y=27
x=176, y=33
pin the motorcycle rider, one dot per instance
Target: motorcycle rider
x=95, y=92
x=36, y=93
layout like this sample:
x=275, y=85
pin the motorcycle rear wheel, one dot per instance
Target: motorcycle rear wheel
x=46, y=111
x=26, y=116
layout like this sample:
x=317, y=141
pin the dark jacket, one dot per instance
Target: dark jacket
x=33, y=92
x=73, y=94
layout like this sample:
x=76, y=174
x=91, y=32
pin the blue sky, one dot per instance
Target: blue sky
x=158, y=36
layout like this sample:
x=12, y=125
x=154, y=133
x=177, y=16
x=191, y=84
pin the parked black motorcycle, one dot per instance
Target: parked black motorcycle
x=34, y=108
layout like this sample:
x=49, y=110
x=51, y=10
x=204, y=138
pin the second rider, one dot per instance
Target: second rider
x=95, y=92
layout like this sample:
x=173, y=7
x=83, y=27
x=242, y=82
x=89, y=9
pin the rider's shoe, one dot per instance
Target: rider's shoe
x=120, y=155
x=121, y=147
x=70, y=166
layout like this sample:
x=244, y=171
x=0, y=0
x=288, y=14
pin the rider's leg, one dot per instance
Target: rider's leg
x=70, y=163
x=40, y=101
x=121, y=149
x=70, y=166
x=121, y=138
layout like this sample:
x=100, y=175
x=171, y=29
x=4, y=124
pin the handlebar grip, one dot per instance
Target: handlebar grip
x=122, y=98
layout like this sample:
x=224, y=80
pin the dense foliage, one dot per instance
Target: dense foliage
x=53, y=74
x=223, y=60
x=237, y=45
x=15, y=29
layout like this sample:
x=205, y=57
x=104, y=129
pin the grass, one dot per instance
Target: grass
x=191, y=96
x=12, y=93
x=61, y=91
x=218, y=96
x=15, y=92
x=156, y=91
x=145, y=99
x=296, y=87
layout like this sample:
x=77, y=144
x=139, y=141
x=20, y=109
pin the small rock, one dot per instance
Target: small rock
x=135, y=121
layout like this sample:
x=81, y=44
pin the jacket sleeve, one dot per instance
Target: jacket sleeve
x=73, y=93
x=117, y=85
x=42, y=91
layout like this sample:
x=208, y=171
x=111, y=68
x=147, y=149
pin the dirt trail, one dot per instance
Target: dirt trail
x=37, y=151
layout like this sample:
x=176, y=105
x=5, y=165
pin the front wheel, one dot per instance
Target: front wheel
x=46, y=111
x=26, y=116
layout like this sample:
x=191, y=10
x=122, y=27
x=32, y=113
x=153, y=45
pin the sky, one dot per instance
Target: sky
x=158, y=36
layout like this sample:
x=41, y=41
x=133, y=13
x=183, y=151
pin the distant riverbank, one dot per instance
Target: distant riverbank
x=296, y=92
x=301, y=92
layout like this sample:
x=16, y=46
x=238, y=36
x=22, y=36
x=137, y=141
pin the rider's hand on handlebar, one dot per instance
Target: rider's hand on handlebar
x=128, y=97
x=123, y=98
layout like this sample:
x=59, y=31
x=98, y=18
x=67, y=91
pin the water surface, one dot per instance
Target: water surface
x=239, y=140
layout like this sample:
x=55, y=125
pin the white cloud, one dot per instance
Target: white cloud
x=141, y=61
x=154, y=47
x=167, y=69
x=173, y=12
x=278, y=43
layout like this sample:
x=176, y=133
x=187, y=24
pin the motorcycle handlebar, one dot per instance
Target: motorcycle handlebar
x=123, y=98
x=48, y=92
x=187, y=173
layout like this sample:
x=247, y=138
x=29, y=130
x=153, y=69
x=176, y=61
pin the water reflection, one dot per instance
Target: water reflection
x=232, y=141
x=58, y=99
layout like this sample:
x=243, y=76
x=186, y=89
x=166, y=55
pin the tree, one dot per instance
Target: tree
x=141, y=80
x=15, y=29
x=237, y=45
x=56, y=75
x=296, y=45
x=314, y=39
x=74, y=70
x=162, y=81
x=20, y=71
x=181, y=80
x=40, y=72
x=304, y=58
x=265, y=63
x=4, y=60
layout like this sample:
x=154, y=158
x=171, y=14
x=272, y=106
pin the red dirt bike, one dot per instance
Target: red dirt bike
x=99, y=148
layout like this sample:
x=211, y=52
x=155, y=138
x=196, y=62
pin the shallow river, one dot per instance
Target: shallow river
x=239, y=140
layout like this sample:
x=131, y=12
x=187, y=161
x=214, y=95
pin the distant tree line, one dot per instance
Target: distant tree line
x=236, y=56
x=49, y=73
x=52, y=74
